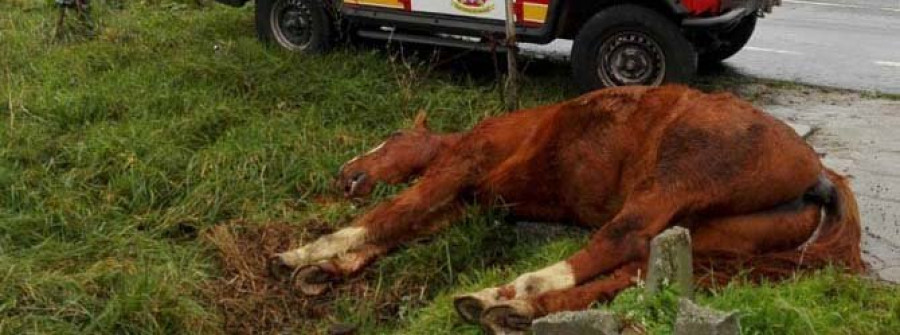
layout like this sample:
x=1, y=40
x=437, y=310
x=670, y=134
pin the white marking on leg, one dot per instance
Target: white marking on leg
x=326, y=247
x=555, y=277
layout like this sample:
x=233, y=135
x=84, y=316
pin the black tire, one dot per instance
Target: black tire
x=631, y=45
x=730, y=42
x=296, y=25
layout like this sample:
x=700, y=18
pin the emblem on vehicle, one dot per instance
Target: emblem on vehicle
x=474, y=6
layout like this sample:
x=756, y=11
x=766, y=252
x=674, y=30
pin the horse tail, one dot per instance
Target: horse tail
x=837, y=238
x=836, y=242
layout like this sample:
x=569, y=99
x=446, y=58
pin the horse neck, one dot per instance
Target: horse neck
x=446, y=141
x=440, y=143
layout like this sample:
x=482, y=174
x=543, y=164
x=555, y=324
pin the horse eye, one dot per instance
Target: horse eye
x=396, y=134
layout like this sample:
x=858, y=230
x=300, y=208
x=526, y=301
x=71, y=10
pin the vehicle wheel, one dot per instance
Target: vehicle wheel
x=730, y=42
x=296, y=25
x=631, y=45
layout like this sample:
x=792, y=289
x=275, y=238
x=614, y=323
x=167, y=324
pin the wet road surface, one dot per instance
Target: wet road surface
x=840, y=43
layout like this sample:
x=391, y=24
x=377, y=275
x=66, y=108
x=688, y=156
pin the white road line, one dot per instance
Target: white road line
x=886, y=63
x=823, y=4
x=783, y=52
x=841, y=5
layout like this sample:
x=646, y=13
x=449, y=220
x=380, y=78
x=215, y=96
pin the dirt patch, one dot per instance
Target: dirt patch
x=251, y=301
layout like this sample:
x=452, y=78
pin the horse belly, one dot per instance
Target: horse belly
x=525, y=199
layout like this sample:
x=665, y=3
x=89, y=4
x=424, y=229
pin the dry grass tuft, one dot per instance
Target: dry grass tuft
x=250, y=300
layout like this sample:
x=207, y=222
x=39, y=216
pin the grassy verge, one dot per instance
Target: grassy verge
x=121, y=153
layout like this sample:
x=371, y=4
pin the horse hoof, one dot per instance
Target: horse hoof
x=313, y=280
x=469, y=308
x=511, y=317
x=278, y=269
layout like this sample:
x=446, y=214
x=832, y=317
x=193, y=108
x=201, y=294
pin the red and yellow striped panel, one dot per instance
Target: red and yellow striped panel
x=528, y=12
x=397, y=4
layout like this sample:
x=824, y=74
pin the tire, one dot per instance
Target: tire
x=631, y=45
x=296, y=25
x=730, y=42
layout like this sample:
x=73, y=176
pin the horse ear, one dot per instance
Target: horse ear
x=421, y=121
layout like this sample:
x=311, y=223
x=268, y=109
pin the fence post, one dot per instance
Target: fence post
x=511, y=87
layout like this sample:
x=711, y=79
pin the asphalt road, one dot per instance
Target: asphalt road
x=839, y=43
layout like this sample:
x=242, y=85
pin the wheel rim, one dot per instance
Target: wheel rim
x=291, y=22
x=630, y=58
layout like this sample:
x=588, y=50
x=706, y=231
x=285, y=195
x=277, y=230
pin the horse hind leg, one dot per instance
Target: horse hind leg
x=622, y=241
x=555, y=277
x=780, y=228
x=783, y=227
x=516, y=315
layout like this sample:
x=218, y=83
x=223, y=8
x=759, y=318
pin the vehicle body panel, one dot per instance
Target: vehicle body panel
x=527, y=12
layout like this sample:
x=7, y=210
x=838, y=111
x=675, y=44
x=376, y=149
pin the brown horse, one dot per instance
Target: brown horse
x=628, y=161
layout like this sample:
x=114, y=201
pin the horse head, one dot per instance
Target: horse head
x=400, y=158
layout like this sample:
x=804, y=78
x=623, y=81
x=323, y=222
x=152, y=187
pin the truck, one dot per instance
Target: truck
x=614, y=42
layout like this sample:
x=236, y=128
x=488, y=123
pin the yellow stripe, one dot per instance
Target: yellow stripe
x=379, y=3
x=534, y=12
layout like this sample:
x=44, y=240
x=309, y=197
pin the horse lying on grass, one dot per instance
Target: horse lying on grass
x=630, y=162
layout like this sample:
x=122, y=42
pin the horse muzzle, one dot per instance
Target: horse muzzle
x=356, y=185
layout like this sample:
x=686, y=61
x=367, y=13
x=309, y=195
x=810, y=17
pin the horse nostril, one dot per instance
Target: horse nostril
x=355, y=181
x=358, y=177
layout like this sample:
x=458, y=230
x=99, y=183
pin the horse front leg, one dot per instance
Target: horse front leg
x=313, y=272
x=423, y=208
x=316, y=277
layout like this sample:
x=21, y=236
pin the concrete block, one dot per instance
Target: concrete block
x=587, y=322
x=698, y=320
x=671, y=262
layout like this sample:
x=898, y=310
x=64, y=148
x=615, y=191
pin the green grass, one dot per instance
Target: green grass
x=118, y=152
